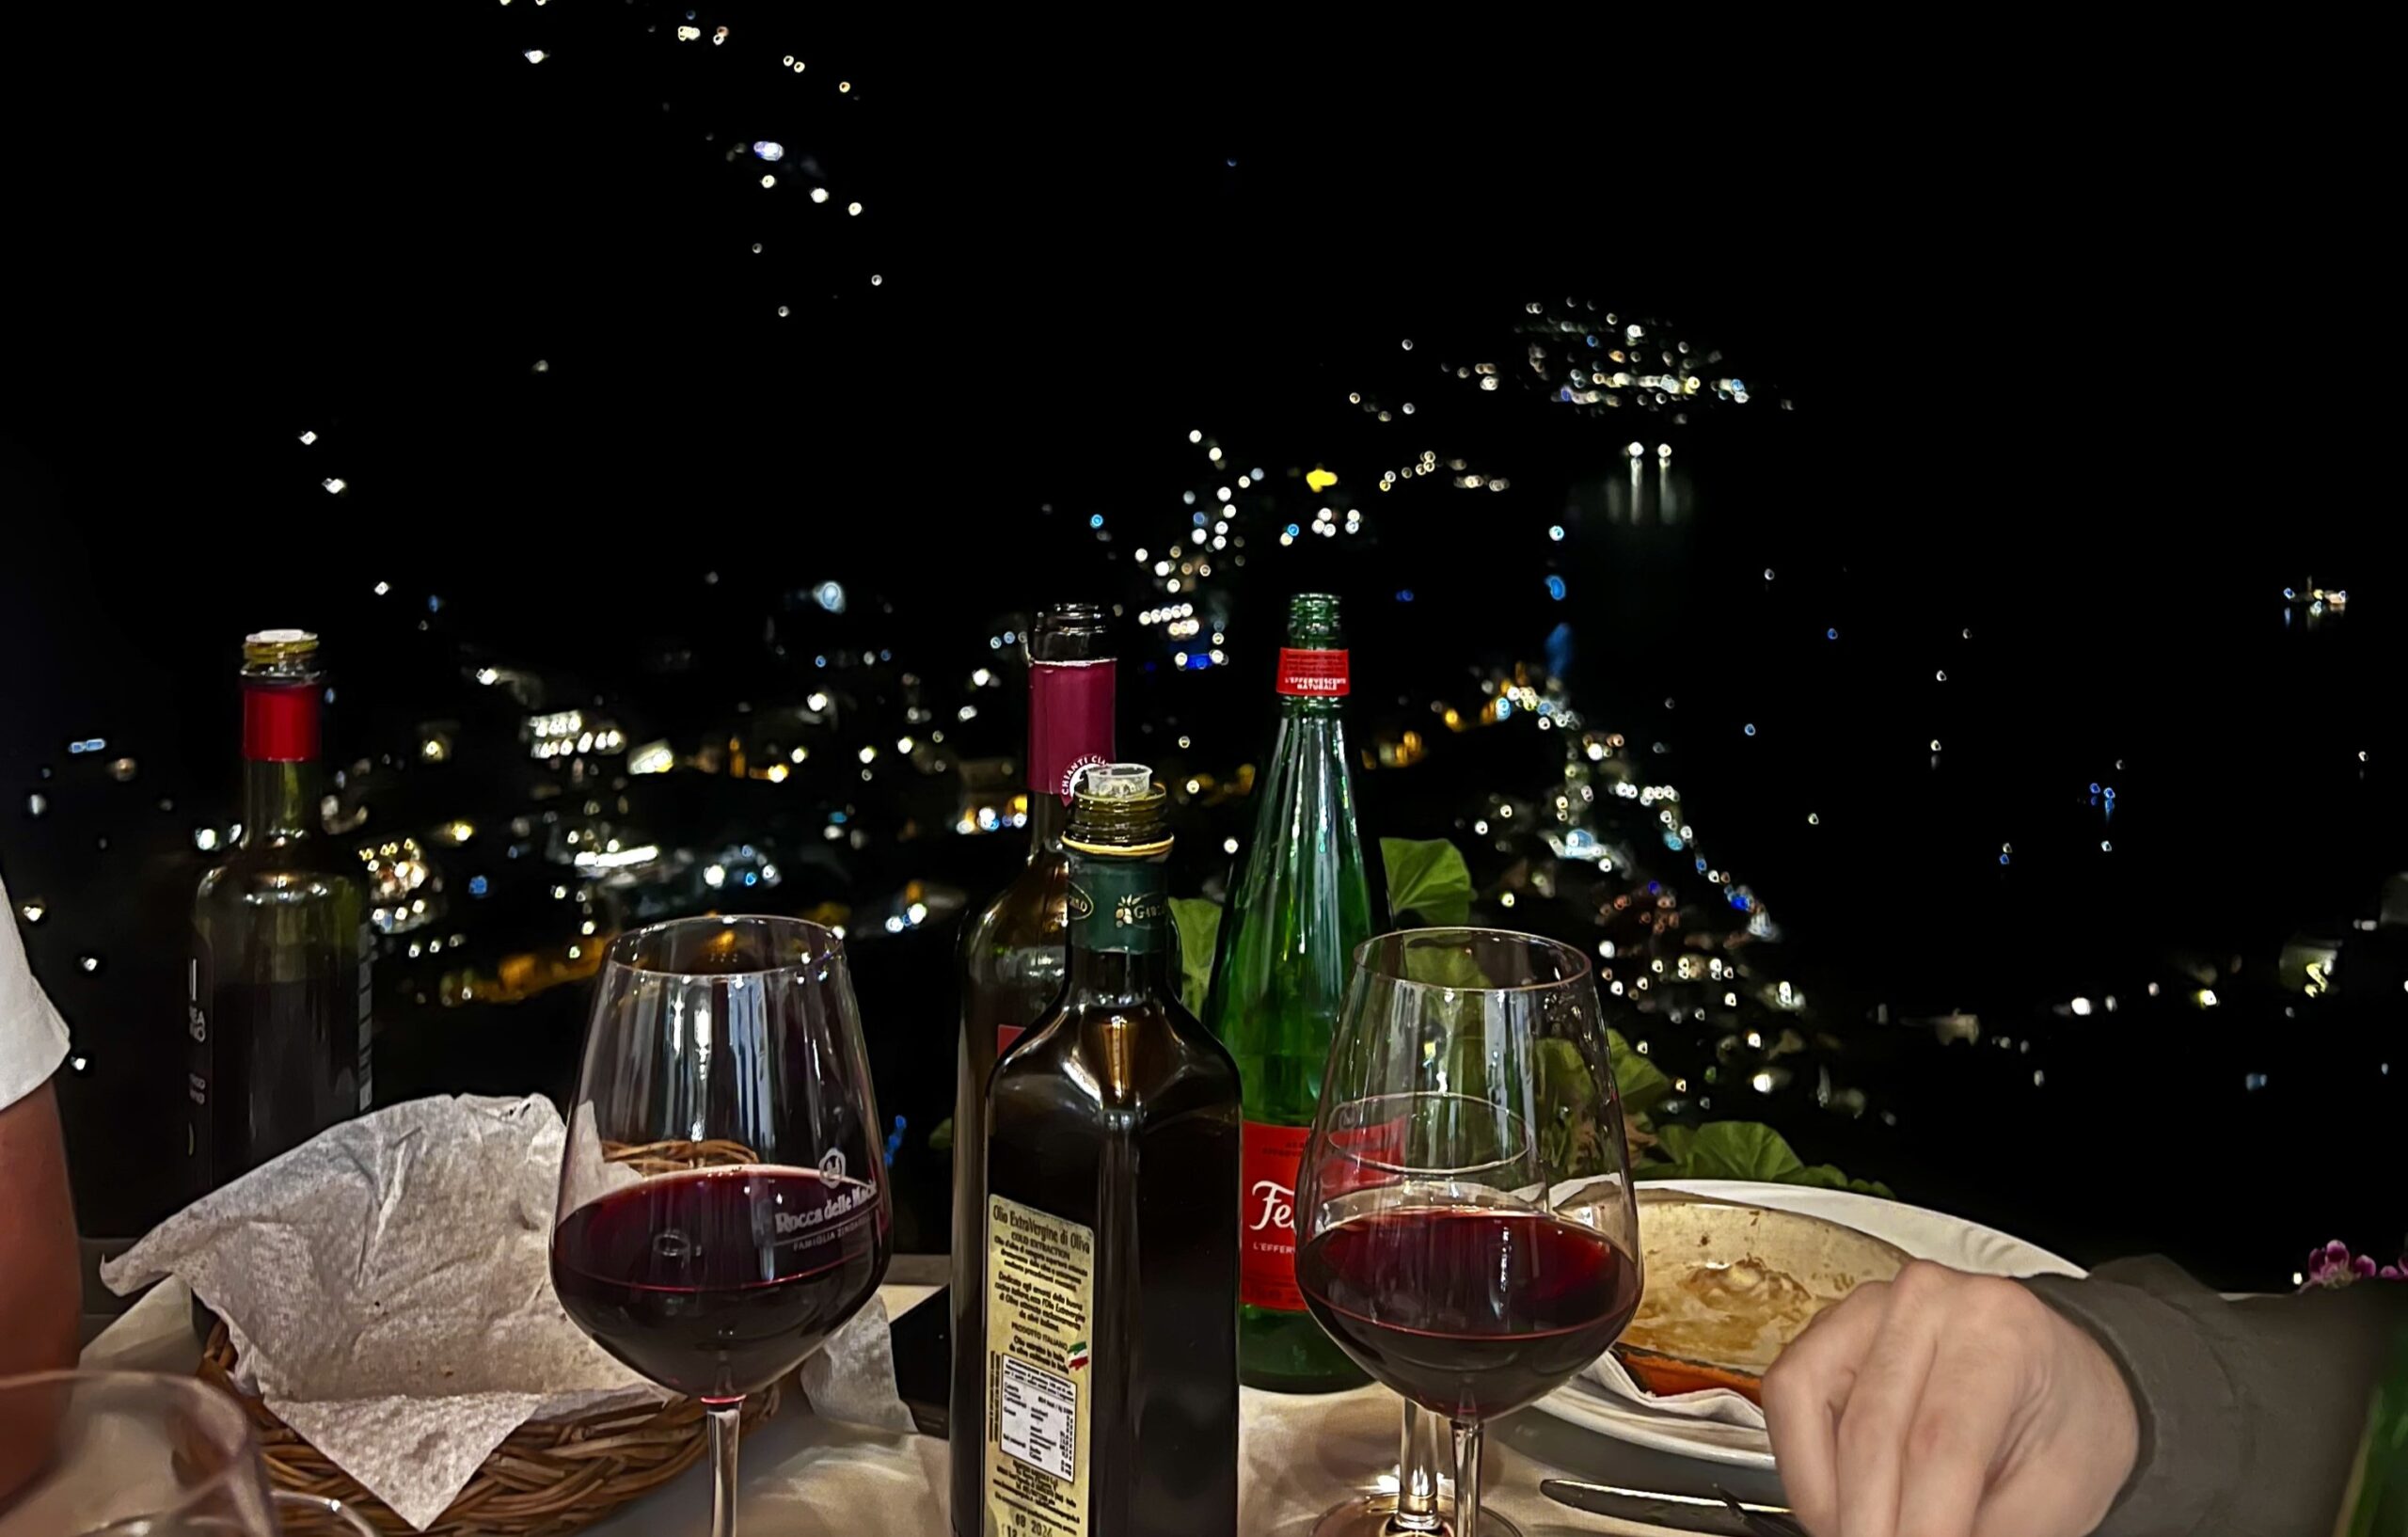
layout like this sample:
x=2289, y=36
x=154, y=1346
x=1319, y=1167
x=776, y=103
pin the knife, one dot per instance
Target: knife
x=1717, y=1515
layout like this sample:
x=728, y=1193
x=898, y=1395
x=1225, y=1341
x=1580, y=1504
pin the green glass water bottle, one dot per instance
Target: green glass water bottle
x=1299, y=904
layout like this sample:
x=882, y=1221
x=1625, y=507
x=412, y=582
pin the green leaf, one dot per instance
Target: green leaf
x=1744, y=1150
x=1642, y=1084
x=1571, y=1102
x=1198, y=921
x=1569, y=1093
x=1830, y=1178
x=1674, y=1140
x=941, y=1140
x=1442, y=967
x=1740, y=1150
x=1564, y=1078
x=1428, y=877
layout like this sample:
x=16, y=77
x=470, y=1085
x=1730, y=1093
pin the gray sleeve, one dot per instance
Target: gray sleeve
x=2250, y=1411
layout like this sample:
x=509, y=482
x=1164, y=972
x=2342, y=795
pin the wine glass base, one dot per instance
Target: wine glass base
x=1368, y=1517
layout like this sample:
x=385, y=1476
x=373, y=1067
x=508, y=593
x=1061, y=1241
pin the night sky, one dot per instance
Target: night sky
x=2055, y=393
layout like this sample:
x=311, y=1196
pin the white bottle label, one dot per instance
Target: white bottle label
x=1040, y=1290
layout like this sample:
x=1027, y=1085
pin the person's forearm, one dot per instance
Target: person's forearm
x=2251, y=1411
x=40, y=1280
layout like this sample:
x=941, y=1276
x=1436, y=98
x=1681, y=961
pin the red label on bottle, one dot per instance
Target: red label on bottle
x=281, y=722
x=1322, y=673
x=1269, y=1158
x=1005, y=1035
x=1070, y=722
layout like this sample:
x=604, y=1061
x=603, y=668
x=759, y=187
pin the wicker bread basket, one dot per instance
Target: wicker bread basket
x=550, y=1477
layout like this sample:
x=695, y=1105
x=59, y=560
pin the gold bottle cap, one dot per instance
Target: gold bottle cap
x=280, y=653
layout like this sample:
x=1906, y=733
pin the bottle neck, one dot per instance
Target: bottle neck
x=1313, y=672
x=1301, y=708
x=1119, y=923
x=279, y=761
x=1047, y=818
x=1069, y=726
x=1313, y=682
x=1113, y=975
x=279, y=800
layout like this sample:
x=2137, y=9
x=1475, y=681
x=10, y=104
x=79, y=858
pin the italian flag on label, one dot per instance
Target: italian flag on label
x=1079, y=1356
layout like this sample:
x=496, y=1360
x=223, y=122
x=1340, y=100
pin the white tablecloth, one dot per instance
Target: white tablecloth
x=805, y=1477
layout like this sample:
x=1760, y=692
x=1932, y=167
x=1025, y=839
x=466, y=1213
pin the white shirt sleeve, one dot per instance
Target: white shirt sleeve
x=33, y=1038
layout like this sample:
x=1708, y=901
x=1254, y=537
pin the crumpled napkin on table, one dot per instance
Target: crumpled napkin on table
x=387, y=1288
x=1719, y=1404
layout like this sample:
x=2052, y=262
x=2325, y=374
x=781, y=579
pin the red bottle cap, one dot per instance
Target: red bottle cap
x=280, y=721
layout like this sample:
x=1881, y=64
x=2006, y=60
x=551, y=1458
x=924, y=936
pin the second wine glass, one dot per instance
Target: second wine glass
x=1465, y=1223
x=723, y=1200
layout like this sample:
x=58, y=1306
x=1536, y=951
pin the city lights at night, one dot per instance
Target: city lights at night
x=1922, y=658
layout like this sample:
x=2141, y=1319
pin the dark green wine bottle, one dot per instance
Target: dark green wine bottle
x=276, y=1021
x=1112, y=1243
x=1014, y=957
x=277, y=997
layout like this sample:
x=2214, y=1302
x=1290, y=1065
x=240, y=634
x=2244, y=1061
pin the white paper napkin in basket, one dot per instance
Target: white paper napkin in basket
x=387, y=1288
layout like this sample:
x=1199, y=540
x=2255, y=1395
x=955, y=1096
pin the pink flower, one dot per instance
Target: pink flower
x=2334, y=1265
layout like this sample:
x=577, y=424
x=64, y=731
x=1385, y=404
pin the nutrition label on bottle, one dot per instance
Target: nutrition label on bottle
x=1040, y=1290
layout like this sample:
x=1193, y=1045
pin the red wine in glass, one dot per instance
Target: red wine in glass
x=1469, y=1312
x=715, y=1282
x=723, y=1204
x=1464, y=1224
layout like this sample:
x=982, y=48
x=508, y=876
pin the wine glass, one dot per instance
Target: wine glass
x=134, y=1454
x=1465, y=1223
x=723, y=1198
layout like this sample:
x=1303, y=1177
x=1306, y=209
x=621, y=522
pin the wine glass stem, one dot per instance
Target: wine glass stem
x=726, y=1421
x=1467, y=1477
x=1417, y=1486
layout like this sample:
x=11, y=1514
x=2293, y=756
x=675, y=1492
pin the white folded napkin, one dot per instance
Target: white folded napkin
x=1719, y=1404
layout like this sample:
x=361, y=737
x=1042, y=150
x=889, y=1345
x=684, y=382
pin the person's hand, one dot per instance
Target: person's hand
x=1942, y=1405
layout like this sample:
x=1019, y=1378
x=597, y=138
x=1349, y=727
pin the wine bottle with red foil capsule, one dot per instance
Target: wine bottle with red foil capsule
x=1015, y=956
x=1299, y=904
x=276, y=1016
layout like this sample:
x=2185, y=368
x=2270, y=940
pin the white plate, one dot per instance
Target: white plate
x=1926, y=1235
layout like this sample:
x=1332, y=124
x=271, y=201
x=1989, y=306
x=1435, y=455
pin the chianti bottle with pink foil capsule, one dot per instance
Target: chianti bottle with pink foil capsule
x=1299, y=904
x=1014, y=958
x=277, y=1013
